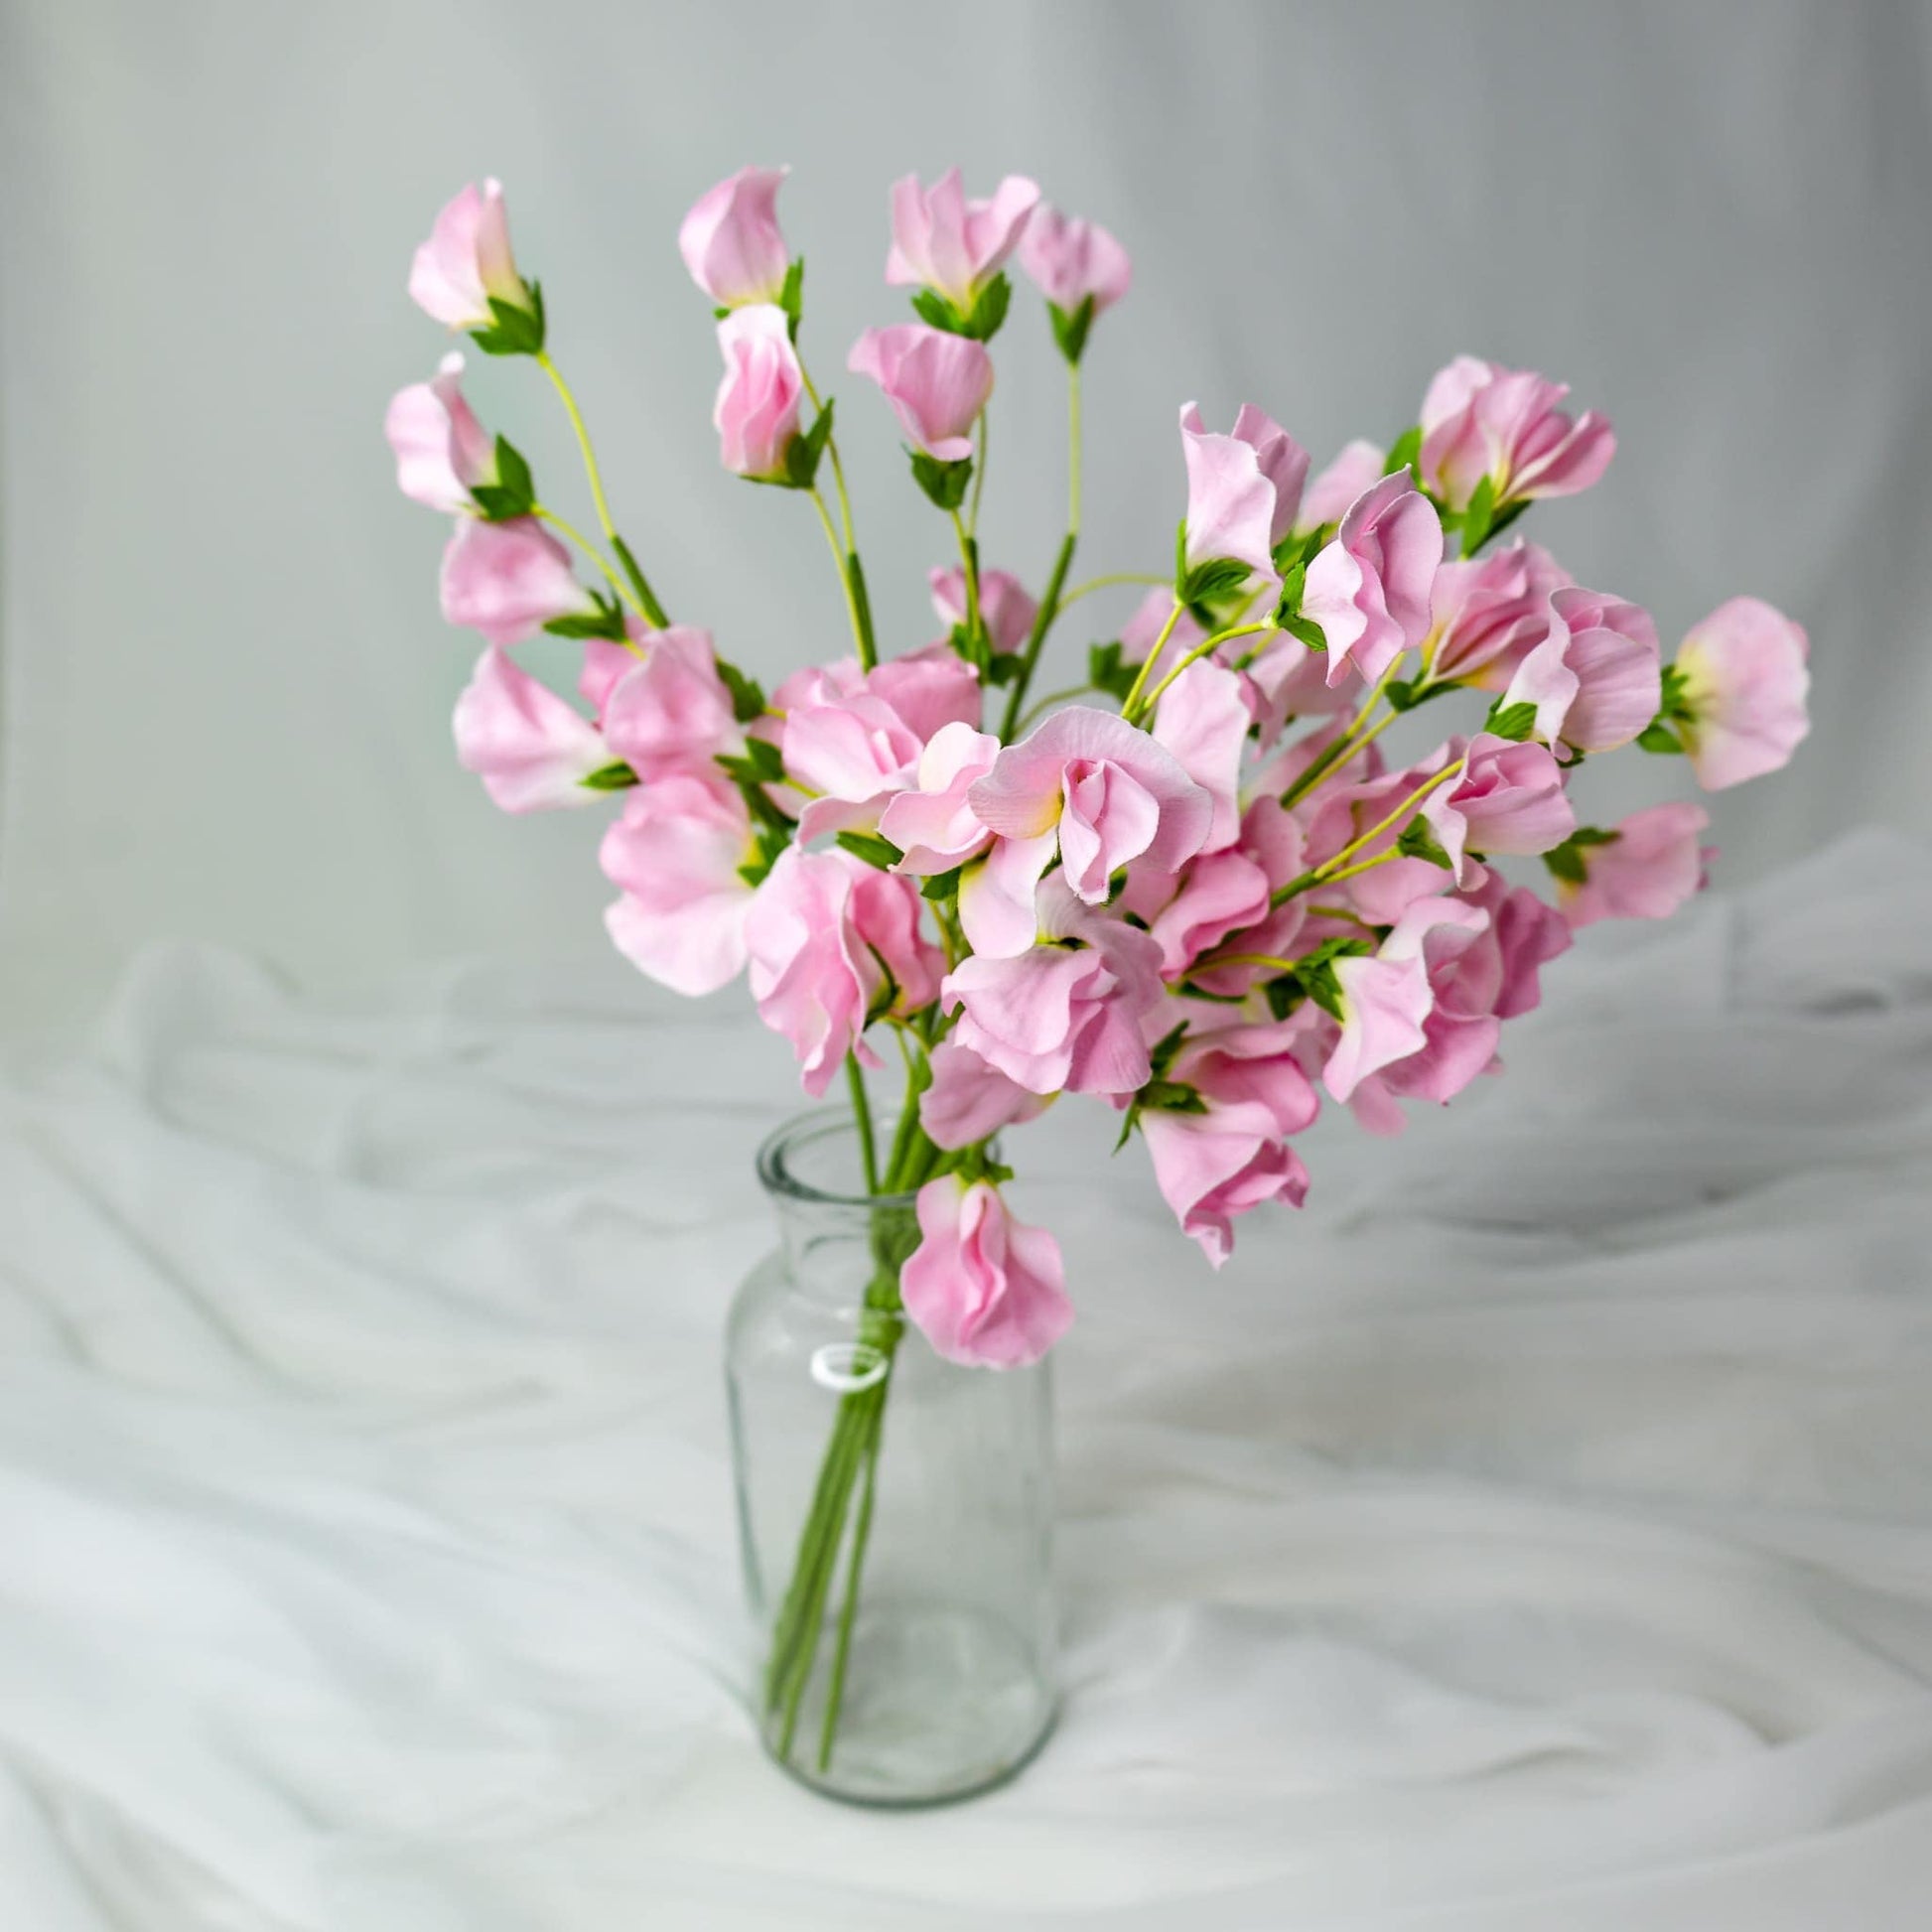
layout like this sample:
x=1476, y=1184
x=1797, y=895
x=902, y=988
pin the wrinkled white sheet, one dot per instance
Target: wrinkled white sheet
x=1535, y=1533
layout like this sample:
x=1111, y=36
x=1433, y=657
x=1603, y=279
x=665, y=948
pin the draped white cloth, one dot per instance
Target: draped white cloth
x=1535, y=1532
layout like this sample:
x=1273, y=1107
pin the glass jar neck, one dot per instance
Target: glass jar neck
x=844, y=1246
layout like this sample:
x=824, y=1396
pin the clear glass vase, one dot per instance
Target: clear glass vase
x=895, y=1510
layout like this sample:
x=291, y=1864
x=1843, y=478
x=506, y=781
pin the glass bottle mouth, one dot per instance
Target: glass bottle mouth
x=814, y=1160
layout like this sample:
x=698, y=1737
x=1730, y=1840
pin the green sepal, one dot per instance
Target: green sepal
x=773, y=839
x=1289, y=603
x=1307, y=629
x=1659, y=737
x=1295, y=549
x=761, y=765
x=606, y=620
x=610, y=777
x=1004, y=668
x=652, y=609
x=1405, y=452
x=873, y=851
x=1419, y=842
x=1405, y=694
x=1070, y=330
x=748, y=695
x=513, y=494
x=942, y=886
x=803, y=451
x=981, y=323
x=512, y=330
x=1167, y=1049
x=1514, y=722
x=1565, y=863
x=1478, y=518
x=944, y=483
x=792, y=298
x=1214, y=578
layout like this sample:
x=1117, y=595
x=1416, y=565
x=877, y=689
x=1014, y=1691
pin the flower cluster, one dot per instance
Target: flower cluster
x=1196, y=886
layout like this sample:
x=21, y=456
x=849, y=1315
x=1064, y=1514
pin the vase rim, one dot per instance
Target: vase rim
x=812, y=1128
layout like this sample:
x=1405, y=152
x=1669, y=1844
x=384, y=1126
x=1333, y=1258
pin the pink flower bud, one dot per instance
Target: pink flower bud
x=466, y=261
x=1071, y=260
x=1369, y=587
x=442, y=451
x=936, y=383
x=508, y=580
x=1509, y=799
x=757, y=411
x=529, y=747
x=1653, y=864
x=730, y=242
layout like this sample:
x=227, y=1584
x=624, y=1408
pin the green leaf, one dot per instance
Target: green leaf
x=513, y=494
x=1283, y=996
x=1106, y=673
x=1405, y=452
x=1170, y=1097
x=1213, y=578
x=748, y=696
x=1289, y=603
x=932, y=308
x=944, y=483
x=1658, y=737
x=1307, y=630
x=512, y=330
x=873, y=851
x=610, y=777
x=652, y=609
x=1070, y=330
x=1003, y=667
x=1593, y=835
x=942, y=885
x=512, y=472
x=1478, y=518
x=1514, y=722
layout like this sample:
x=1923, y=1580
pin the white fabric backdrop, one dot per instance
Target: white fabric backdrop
x=227, y=688
x=1532, y=1533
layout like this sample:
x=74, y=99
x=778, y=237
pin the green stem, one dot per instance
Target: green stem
x=1200, y=651
x=969, y=568
x=1093, y=584
x=979, y=478
x=1049, y=609
x=848, y=1614
x=1152, y=659
x=862, y=1115
x=617, y=585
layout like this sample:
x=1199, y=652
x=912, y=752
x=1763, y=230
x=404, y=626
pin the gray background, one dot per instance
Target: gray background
x=227, y=686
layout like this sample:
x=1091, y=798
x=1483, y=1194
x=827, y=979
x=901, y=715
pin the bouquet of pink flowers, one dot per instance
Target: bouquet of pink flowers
x=1191, y=886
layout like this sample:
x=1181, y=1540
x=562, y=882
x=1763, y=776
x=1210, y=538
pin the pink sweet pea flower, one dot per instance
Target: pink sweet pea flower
x=1509, y=799
x=1595, y=679
x=442, y=451
x=1062, y=1017
x=1086, y=781
x=1073, y=261
x=985, y=1290
x=832, y=943
x=1359, y=467
x=672, y=711
x=1501, y=973
x=858, y=749
x=1006, y=609
x=529, y=747
x=1480, y=420
x=970, y=1098
x=466, y=261
x=1384, y=1003
x=932, y=824
x=1368, y=588
x=1211, y=1167
x=676, y=854
x=1652, y=867
x=730, y=242
x=1190, y=912
x=936, y=383
x=953, y=246
x=756, y=414
x=508, y=580
x=1203, y=719
x=1242, y=488
x=1489, y=613
x=1743, y=686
